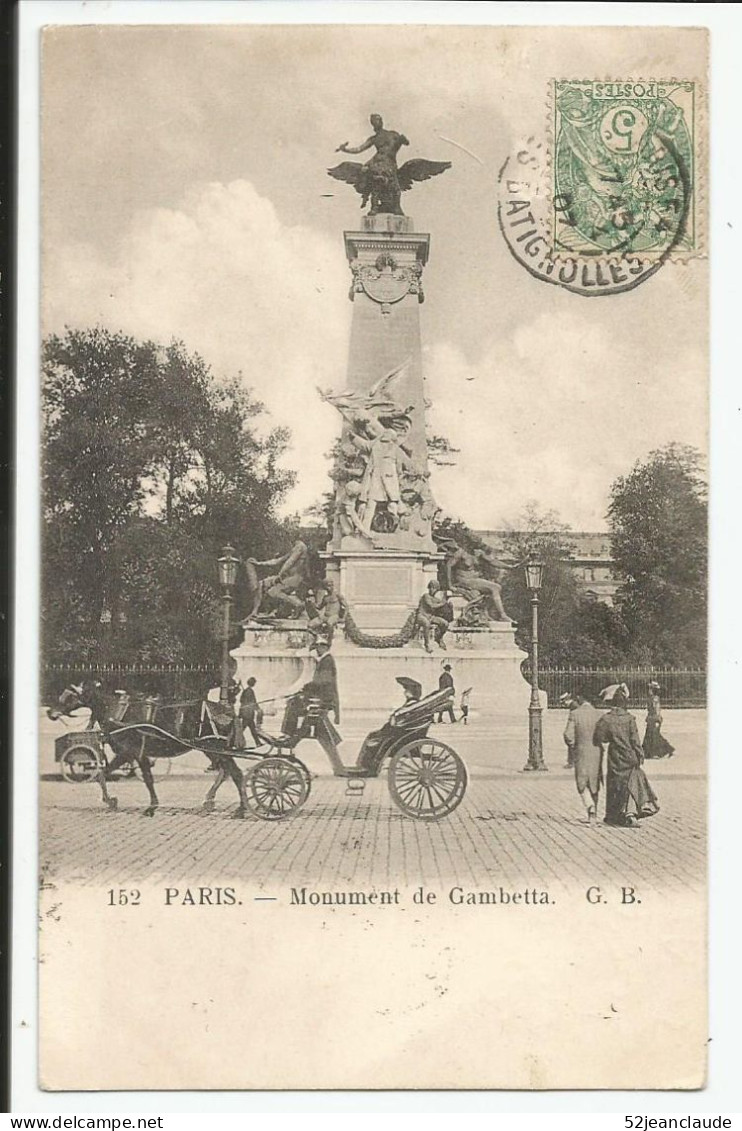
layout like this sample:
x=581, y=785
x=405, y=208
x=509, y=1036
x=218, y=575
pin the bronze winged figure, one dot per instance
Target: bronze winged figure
x=379, y=181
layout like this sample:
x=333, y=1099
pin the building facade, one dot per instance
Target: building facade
x=590, y=560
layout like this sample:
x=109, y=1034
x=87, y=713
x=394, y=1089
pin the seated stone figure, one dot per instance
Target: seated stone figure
x=433, y=615
x=325, y=610
x=283, y=590
x=464, y=571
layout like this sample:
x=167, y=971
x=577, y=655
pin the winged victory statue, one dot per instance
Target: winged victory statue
x=380, y=181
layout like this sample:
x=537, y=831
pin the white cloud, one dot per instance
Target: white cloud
x=556, y=414
x=248, y=293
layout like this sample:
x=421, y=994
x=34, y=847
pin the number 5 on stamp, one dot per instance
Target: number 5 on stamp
x=624, y=170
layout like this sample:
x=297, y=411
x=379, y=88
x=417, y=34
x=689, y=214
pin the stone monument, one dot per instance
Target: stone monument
x=400, y=601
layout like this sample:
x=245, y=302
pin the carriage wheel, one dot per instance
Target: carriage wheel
x=427, y=779
x=79, y=763
x=277, y=787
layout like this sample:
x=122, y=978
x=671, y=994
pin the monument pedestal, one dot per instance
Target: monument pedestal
x=277, y=655
x=485, y=659
x=382, y=554
x=381, y=587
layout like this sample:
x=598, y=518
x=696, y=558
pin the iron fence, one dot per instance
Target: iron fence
x=679, y=687
x=171, y=681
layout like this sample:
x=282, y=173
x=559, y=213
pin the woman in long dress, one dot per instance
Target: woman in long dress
x=655, y=744
x=628, y=794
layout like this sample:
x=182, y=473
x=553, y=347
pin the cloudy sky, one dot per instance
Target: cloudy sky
x=185, y=195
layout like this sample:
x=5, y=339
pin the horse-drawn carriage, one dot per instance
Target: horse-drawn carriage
x=427, y=779
x=82, y=754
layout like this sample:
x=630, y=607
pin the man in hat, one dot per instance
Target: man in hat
x=323, y=687
x=587, y=759
x=628, y=795
x=445, y=680
x=325, y=677
x=250, y=711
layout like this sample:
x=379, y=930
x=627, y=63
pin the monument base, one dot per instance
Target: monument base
x=487, y=660
x=381, y=587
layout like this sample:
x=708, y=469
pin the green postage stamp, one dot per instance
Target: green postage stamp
x=625, y=168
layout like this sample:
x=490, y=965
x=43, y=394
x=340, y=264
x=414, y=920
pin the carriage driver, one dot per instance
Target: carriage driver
x=323, y=687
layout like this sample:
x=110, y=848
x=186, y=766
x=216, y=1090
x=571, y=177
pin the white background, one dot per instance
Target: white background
x=726, y=778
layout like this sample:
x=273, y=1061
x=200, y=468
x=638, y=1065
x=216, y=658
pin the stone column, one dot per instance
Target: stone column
x=382, y=576
x=386, y=260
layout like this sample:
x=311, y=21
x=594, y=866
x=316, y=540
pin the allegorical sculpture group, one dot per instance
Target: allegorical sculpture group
x=467, y=594
x=382, y=487
x=379, y=486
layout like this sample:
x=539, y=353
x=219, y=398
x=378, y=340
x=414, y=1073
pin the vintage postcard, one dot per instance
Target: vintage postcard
x=372, y=733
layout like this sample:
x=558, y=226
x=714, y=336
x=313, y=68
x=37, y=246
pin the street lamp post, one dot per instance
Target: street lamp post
x=534, y=579
x=227, y=577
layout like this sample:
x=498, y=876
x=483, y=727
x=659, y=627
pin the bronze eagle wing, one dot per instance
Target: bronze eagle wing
x=353, y=173
x=418, y=169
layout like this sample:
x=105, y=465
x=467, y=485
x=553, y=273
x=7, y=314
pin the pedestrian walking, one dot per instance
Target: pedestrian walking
x=249, y=710
x=587, y=759
x=629, y=796
x=464, y=705
x=568, y=703
x=655, y=744
x=445, y=680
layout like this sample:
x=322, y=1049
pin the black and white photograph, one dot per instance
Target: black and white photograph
x=373, y=597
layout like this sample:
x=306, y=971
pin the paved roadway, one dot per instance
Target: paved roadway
x=511, y=829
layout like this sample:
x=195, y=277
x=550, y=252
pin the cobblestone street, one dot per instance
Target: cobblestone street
x=511, y=829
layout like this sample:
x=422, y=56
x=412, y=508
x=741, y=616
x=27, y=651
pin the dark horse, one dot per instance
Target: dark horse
x=141, y=729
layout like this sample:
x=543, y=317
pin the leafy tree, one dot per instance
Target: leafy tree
x=458, y=532
x=165, y=607
x=181, y=430
x=150, y=465
x=573, y=630
x=98, y=446
x=544, y=535
x=658, y=517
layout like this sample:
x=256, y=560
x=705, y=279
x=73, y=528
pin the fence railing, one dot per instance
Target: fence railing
x=171, y=681
x=679, y=687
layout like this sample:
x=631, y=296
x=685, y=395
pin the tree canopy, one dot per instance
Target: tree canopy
x=150, y=464
x=573, y=628
x=658, y=518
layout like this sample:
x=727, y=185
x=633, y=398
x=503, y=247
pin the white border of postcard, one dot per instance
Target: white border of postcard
x=722, y=1092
